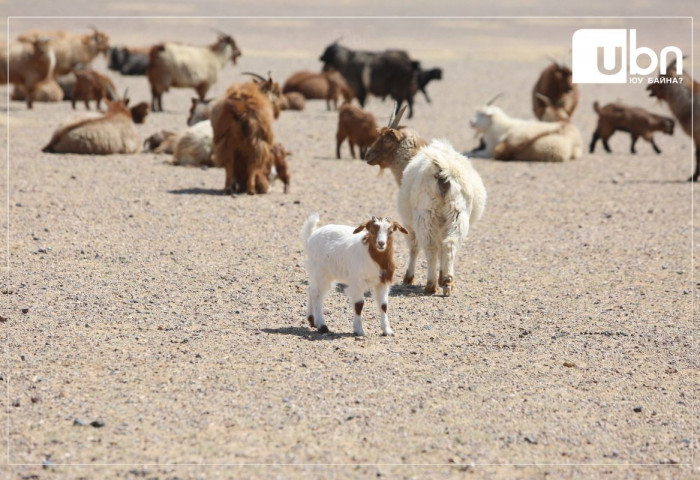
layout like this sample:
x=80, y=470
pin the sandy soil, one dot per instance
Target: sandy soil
x=175, y=314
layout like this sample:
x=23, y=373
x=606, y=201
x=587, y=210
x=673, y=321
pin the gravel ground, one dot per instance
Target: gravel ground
x=139, y=296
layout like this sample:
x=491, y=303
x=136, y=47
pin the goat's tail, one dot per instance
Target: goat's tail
x=596, y=107
x=309, y=226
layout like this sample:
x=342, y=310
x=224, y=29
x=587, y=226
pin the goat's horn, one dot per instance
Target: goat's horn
x=498, y=95
x=255, y=75
x=554, y=60
x=338, y=39
x=393, y=115
x=395, y=123
x=126, y=92
x=544, y=98
x=93, y=28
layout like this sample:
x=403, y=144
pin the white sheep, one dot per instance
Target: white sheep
x=178, y=65
x=440, y=197
x=362, y=261
x=195, y=146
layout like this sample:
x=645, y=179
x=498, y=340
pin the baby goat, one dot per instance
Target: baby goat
x=358, y=126
x=634, y=120
x=339, y=253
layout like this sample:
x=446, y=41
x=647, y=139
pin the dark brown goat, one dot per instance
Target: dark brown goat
x=634, y=120
x=555, y=83
x=358, y=126
x=139, y=112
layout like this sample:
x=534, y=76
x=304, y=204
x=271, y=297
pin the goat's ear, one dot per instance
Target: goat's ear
x=399, y=227
x=195, y=101
x=360, y=228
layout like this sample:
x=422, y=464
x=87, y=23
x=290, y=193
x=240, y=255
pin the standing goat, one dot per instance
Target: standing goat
x=634, y=120
x=188, y=66
x=92, y=85
x=113, y=132
x=358, y=126
x=556, y=84
x=362, y=261
x=440, y=197
x=29, y=64
x=682, y=94
x=423, y=77
x=391, y=72
x=71, y=50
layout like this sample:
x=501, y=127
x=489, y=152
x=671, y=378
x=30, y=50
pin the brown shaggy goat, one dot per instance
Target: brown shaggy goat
x=243, y=138
x=358, y=126
x=555, y=83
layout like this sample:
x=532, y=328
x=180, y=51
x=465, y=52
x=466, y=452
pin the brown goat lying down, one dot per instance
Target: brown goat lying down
x=113, y=132
x=243, y=138
x=634, y=120
x=358, y=126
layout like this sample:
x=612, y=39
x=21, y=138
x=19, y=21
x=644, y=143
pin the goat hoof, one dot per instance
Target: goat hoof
x=388, y=333
x=430, y=288
x=323, y=329
x=447, y=290
x=408, y=280
x=359, y=334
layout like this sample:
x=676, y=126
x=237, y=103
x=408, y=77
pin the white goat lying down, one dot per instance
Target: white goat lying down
x=361, y=258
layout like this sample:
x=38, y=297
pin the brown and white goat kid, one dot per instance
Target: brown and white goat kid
x=113, y=132
x=555, y=83
x=361, y=258
x=633, y=120
x=188, y=66
x=29, y=64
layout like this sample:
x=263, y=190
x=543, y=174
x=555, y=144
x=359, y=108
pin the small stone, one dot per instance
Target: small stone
x=97, y=423
x=25, y=310
x=637, y=409
x=79, y=423
x=3, y=319
x=43, y=250
x=35, y=399
x=48, y=463
x=297, y=202
x=531, y=439
x=569, y=364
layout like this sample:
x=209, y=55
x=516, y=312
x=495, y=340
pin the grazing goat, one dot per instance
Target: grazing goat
x=633, y=120
x=324, y=85
x=113, y=132
x=423, y=77
x=362, y=258
x=293, y=101
x=279, y=168
x=139, y=112
x=128, y=60
x=161, y=142
x=199, y=111
x=28, y=64
x=682, y=94
x=188, y=66
x=391, y=72
x=440, y=196
x=71, y=50
x=555, y=83
x=92, y=85
x=195, y=147
x=47, y=91
x=508, y=138
x=243, y=137
x=358, y=126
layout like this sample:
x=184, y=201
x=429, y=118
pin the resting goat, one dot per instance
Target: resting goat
x=361, y=258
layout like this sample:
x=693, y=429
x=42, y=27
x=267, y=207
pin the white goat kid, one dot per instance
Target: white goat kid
x=362, y=261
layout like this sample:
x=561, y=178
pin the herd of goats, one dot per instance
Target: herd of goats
x=440, y=193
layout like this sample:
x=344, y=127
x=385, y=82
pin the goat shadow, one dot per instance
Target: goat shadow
x=402, y=290
x=307, y=333
x=198, y=191
x=650, y=182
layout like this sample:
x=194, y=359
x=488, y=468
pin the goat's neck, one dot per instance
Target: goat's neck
x=384, y=260
x=407, y=148
x=222, y=53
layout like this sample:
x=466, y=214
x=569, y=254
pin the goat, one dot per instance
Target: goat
x=556, y=84
x=508, y=138
x=139, y=112
x=199, y=111
x=293, y=101
x=47, y=91
x=682, y=94
x=423, y=77
x=28, y=64
x=70, y=49
x=92, y=85
x=391, y=72
x=128, y=60
x=161, y=142
x=177, y=65
x=394, y=147
x=279, y=168
x=113, y=132
x=633, y=120
x=196, y=146
x=358, y=126
x=363, y=261
x=327, y=85
x=243, y=137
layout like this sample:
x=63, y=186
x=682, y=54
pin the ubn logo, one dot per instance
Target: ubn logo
x=601, y=56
